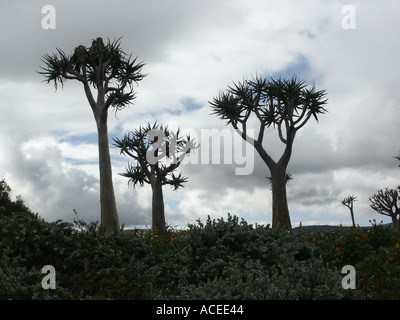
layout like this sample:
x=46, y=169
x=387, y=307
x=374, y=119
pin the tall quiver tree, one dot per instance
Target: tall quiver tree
x=156, y=152
x=284, y=104
x=104, y=68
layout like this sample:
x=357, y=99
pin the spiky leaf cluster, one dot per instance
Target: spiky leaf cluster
x=284, y=103
x=160, y=142
x=104, y=66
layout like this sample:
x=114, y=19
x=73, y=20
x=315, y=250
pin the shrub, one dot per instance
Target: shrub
x=218, y=259
x=371, y=251
x=233, y=260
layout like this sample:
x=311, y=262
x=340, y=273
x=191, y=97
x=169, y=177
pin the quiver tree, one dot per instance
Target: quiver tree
x=349, y=203
x=387, y=203
x=156, y=152
x=283, y=104
x=104, y=68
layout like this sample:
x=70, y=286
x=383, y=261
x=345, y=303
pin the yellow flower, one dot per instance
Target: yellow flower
x=397, y=246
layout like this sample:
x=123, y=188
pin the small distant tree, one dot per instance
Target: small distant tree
x=104, y=68
x=156, y=152
x=283, y=104
x=387, y=202
x=349, y=203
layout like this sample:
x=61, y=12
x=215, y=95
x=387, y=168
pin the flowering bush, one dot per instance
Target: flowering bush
x=374, y=252
x=218, y=259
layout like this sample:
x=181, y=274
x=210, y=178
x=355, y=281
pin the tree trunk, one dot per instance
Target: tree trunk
x=158, y=215
x=280, y=209
x=109, y=215
x=396, y=223
x=352, y=215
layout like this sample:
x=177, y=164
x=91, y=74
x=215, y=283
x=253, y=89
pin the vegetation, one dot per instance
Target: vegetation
x=150, y=148
x=387, y=203
x=218, y=259
x=108, y=70
x=284, y=104
x=374, y=252
x=349, y=203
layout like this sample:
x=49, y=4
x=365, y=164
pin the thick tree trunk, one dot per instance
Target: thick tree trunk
x=109, y=215
x=396, y=224
x=158, y=215
x=280, y=209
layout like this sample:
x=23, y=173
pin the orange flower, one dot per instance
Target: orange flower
x=390, y=258
x=319, y=242
x=345, y=239
x=337, y=249
x=389, y=273
x=313, y=240
x=397, y=246
x=357, y=238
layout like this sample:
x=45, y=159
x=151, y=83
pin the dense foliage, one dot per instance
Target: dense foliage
x=223, y=259
x=218, y=259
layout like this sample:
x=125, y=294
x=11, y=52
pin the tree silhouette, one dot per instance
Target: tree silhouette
x=387, y=203
x=349, y=203
x=106, y=69
x=148, y=146
x=284, y=104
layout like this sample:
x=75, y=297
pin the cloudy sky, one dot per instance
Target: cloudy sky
x=193, y=50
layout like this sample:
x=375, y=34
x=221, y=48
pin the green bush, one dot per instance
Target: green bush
x=374, y=252
x=233, y=260
x=218, y=259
